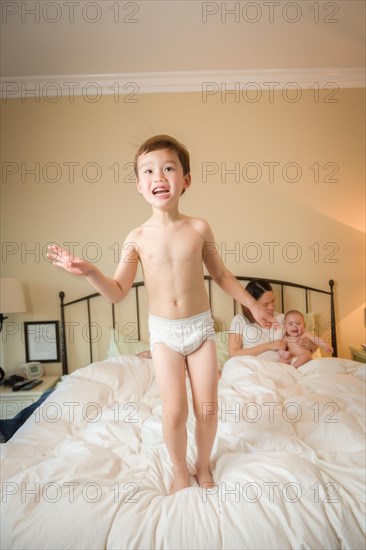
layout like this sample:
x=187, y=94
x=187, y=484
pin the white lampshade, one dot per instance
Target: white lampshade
x=11, y=296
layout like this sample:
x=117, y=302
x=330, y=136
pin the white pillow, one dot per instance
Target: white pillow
x=119, y=344
x=222, y=347
x=310, y=321
x=310, y=324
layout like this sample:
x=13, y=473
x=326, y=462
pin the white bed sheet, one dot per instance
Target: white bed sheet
x=89, y=469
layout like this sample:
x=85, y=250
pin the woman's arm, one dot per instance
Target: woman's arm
x=305, y=343
x=235, y=346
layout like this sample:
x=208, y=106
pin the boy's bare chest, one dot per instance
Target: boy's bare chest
x=173, y=248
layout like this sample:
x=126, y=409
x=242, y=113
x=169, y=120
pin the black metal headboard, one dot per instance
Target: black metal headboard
x=136, y=286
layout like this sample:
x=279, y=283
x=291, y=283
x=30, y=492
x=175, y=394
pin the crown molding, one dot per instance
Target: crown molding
x=93, y=86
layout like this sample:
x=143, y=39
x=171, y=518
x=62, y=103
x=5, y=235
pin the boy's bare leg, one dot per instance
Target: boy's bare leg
x=170, y=373
x=202, y=370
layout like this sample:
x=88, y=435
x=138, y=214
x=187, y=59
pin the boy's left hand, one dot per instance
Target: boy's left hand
x=265, y=319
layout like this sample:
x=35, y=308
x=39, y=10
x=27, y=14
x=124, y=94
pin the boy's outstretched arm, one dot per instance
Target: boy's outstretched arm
x=115, y=288
x=229, y=283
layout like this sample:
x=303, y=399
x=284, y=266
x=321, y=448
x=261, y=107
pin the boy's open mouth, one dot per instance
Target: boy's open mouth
x=161, y=190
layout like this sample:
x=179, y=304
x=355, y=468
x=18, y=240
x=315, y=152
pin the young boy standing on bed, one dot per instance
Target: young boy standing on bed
x=172, y=249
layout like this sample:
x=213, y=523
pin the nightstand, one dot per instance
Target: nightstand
x=358, y=354
x=12, y=402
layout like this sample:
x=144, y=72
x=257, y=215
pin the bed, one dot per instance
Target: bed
x=89, y=469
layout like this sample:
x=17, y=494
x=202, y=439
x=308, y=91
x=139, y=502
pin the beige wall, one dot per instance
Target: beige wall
x=324, y=218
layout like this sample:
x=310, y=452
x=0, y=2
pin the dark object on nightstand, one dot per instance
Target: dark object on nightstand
x=26, y=385
x=13, y=379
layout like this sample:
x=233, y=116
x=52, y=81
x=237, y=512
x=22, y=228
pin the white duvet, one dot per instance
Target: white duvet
x=89, y=469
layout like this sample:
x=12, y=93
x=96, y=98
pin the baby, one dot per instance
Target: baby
x=296, y=354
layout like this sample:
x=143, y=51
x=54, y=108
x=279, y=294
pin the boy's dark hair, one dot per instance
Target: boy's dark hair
x=164, y=142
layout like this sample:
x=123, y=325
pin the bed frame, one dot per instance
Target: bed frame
x=137, y=285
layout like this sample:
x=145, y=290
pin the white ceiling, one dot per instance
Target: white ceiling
x=59, y=38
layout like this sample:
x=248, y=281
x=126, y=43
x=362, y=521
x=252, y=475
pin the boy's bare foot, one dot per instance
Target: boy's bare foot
x=180, y=481
x=204, y=477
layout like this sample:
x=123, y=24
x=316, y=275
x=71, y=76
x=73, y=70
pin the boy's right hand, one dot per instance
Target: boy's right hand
x=61, y=258
x=263, y=318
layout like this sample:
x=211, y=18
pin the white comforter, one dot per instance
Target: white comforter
x=89, y=469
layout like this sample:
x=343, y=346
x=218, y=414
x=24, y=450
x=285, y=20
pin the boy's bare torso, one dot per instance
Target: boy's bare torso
x=171, y=256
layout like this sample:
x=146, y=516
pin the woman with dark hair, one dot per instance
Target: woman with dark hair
x=246, y=337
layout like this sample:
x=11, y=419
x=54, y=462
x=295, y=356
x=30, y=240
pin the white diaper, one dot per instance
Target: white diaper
x=182, y=335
